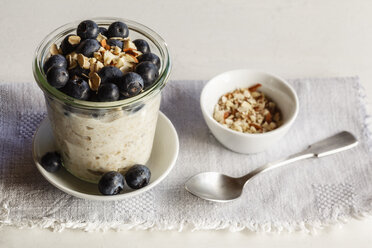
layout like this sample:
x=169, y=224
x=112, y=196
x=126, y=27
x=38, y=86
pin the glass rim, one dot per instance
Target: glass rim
x=42, y=51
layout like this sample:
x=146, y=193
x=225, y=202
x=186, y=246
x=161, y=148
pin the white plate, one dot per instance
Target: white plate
x=163, y=157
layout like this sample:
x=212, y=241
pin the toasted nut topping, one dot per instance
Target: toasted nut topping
x=101, y=37
x=103, y=42
x=127, y=67
x=119, y=62
x=74, y=39
x=98, y=56
x=132, y=51
x=129, y=44
x=72, y=60
x=116, y=50
x=130, y=58
x=247, y=110
x=83, y=61
x=94, y=81
x=54, y=50
x=254, y=87
x=107, y=58
x=101, y=50
x=92, y=60
x=98, y=66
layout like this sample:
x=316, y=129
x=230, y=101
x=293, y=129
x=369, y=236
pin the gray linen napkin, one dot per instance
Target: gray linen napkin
x=302, y=196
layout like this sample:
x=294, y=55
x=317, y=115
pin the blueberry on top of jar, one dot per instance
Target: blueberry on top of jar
x=142, y=46
x=153, y=58
x=88, y=47
x=77, y=88
x=110, y=74
x=103, y=31
x=148, y=71
x=55, y=60
x=108, y=93
x=87, y=30
x=131, y=84
x=57, y=76
x=118, y=29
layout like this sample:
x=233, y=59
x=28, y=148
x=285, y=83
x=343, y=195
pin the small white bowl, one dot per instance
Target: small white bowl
x=273, y=86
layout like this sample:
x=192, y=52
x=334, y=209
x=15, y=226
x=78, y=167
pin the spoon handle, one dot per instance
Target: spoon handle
x=331, y=145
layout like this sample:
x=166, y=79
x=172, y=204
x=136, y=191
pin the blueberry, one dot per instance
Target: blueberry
x=66, y=46
x=102, y=31
x=118, y=29
x=108, y=93
x=142, y=46
x=55, y=60
x=77, y=88
x=150, y=57
x=115, y=42
x=57, y=77
x=110, y=74
x=138, y=176
x=78, y=72
x=111, y=183
x=131, y=84
x=51, y=161
x=88, y=47
x=148, y=71
x=87, y=30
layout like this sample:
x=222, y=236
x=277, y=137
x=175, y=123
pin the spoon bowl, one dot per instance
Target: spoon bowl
x=214, y=186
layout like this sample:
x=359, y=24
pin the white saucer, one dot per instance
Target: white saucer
x=163, y=158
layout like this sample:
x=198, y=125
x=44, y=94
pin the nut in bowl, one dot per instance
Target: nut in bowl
x=273, y=102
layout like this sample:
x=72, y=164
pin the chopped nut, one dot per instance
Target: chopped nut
x=98, y=66
x=247, y=110
x=98, y=56
x=92, y=60
x=127, y=67
x=107, y=58
x=117, y=50
x=94, y=81
x=268, y=117
x=119, y=62
x=74, y=39
x=83, y=61
x=129, y=44
x=254, y=87
x=130, y=59
x=103, y=42
x=54, y=50
x=72, y=60
x=101, y=50
x=101, y=37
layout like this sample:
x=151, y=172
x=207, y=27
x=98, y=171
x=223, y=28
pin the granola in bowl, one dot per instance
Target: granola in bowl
x=247, y=110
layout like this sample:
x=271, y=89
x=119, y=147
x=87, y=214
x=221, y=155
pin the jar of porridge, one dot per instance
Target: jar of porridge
x=96, y=137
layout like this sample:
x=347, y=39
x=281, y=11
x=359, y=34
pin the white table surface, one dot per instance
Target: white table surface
x=292, y=38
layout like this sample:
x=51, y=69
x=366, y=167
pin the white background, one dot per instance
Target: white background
x=291, y=38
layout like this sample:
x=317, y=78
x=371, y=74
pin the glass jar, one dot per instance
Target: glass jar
x=96, y=137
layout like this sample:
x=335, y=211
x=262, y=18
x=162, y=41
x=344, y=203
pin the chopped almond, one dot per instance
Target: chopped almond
x=254, y=87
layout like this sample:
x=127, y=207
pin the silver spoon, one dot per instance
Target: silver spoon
x=214, y=186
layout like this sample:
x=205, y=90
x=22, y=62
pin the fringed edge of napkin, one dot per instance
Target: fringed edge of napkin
x=306, y=226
